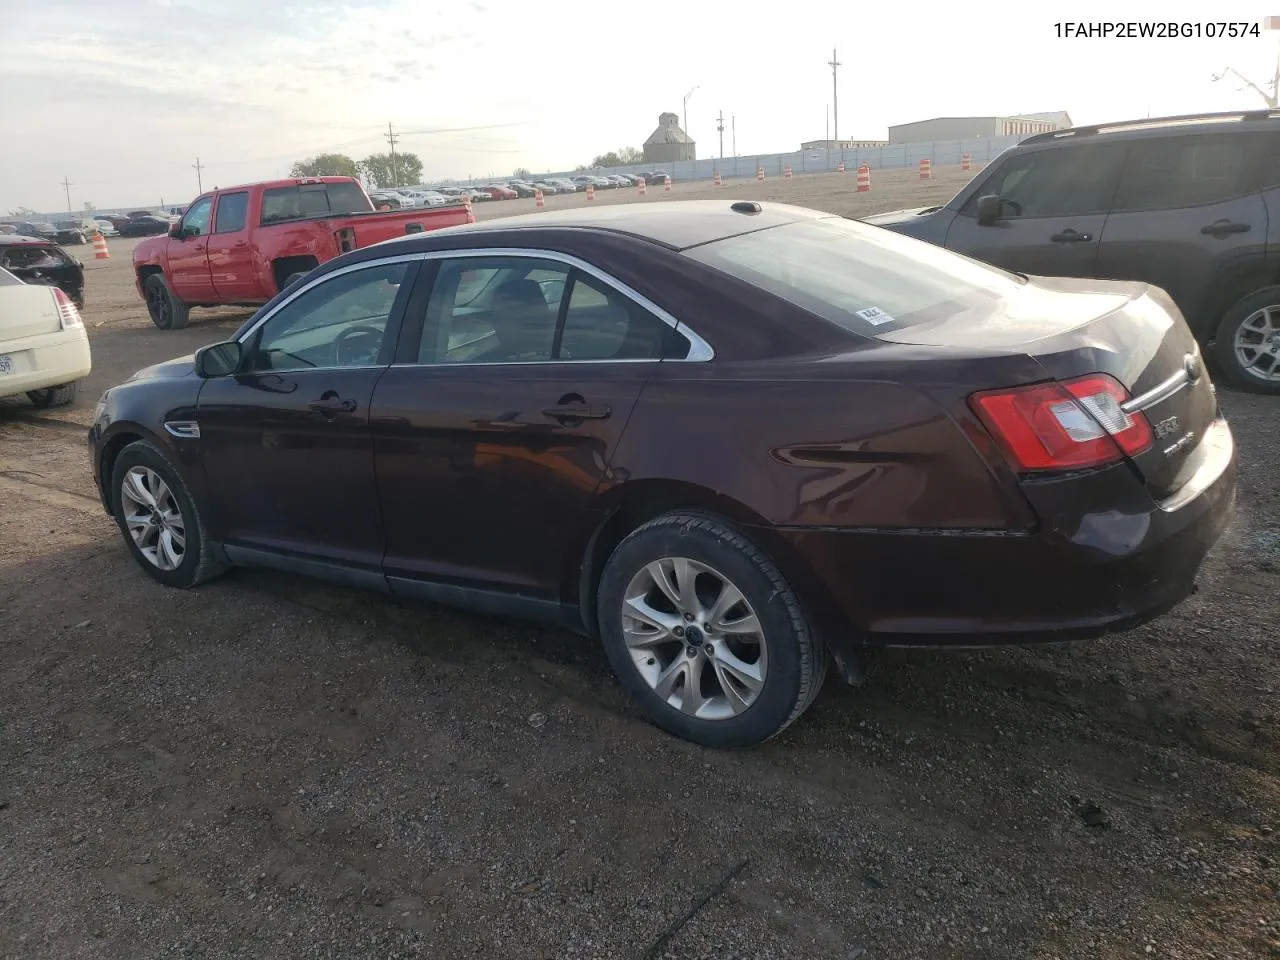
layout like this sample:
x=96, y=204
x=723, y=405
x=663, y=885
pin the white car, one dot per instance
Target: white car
x=44, y=350
x=106, y=228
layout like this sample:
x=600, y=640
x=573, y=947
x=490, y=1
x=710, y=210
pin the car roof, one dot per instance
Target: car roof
x=1204, y=123
x=17, y=238
x=678, y=225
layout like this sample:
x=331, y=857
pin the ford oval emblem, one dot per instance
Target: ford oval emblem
x=1191, y=364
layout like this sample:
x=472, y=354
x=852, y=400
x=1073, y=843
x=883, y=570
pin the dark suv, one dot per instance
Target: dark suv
x=1190, y=204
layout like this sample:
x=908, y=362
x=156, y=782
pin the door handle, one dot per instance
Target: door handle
x=578, y=411
x=330, y=405
x=1220, y=228
x=1071, y=236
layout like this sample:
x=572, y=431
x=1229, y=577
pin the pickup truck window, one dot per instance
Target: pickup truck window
x=231, y=212
x=196, y=220
x=282, y=204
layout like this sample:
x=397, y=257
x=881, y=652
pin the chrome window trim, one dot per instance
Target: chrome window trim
x=699, y=350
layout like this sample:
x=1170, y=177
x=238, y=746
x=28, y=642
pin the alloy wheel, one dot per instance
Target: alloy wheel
x=694, y=638
x=153, y=518
x=158, y=303
x=1257, y=344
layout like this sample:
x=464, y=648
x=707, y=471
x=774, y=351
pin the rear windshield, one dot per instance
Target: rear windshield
x=282, y=204
x=867, y=279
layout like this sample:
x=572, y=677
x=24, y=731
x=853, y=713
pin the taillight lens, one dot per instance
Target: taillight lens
x=68, y=315
x=1063, y=425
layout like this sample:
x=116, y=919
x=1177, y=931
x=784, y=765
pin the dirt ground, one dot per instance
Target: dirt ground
x=271, y=767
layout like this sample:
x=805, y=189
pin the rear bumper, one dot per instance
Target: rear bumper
x=1106, y=557
x=48, y=360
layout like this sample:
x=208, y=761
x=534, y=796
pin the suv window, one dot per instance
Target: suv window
x=231, y=212
x=1173, y=172
x=340, y=322
x=282, y=204
x=196, y=220
x=1056, y=182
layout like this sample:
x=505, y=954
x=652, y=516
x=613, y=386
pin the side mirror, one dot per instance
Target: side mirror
x=218, y=359
x=176, y=231
x=989, y=209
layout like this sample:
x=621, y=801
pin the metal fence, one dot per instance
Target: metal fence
x=942, y=152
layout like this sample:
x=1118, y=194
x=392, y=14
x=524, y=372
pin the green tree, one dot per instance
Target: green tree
x=325, y=165
x=621, y=157
x=89, y=207
x=21, y=212
x=378, y=167
x=522, y=173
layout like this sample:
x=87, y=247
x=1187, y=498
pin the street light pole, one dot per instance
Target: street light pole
x=684, y=116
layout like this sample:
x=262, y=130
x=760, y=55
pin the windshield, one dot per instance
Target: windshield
x=282, y=204
x=866, y=279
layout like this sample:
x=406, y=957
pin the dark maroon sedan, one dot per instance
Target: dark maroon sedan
x=728, y=439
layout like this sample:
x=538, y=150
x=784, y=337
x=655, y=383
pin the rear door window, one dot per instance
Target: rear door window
x=866, y=279
x=1058, y=182
x=230, y=217
x=305, y=200
x=1172, y=172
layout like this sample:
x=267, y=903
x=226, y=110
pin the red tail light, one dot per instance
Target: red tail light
x=1063, y=425
x=68, y=315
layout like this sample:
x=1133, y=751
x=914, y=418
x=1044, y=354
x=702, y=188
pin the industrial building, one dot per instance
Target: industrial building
x=842, y=144
x=974, y=128
x=669, y=143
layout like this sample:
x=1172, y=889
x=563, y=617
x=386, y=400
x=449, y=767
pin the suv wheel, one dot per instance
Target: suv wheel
x=1247, y=342
x=704, y=632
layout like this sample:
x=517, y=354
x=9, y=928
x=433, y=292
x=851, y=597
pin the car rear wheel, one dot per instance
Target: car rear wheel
x=159, y=518
x=1247, y=343
x=167, y=311
x=705, y=633
x=58, y=396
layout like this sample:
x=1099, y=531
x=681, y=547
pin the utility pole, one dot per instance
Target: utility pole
x=198, y=167
x=733, y=122
x=66, y=185
x=395, y=169
x=827, y=135
x=720, y=130
x=685, y=113
x=835, y=102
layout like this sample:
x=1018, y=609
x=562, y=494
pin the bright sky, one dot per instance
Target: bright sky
x=122, y=96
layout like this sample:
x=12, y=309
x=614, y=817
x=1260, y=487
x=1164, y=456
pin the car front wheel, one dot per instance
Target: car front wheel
x=703, y=630
x=159, y=518
x=1247, y=342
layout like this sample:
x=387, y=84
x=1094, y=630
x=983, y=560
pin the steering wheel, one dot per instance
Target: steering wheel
x=357, y=346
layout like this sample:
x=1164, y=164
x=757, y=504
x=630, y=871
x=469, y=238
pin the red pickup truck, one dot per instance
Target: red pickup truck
x=243, y=245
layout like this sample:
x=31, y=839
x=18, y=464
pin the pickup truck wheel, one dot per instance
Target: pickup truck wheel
x=1247, y=342
x=167, y=311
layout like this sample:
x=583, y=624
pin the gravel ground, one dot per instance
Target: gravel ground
x=267, y=766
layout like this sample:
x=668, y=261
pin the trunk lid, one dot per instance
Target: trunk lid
x=1131, y=331
x=27, y=310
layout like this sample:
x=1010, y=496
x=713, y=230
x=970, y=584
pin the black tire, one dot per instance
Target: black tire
x=293, y=278
x=797, y=658
x=167, y=311
x=1232, y=368
x=202, y=560
x=58, y=396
